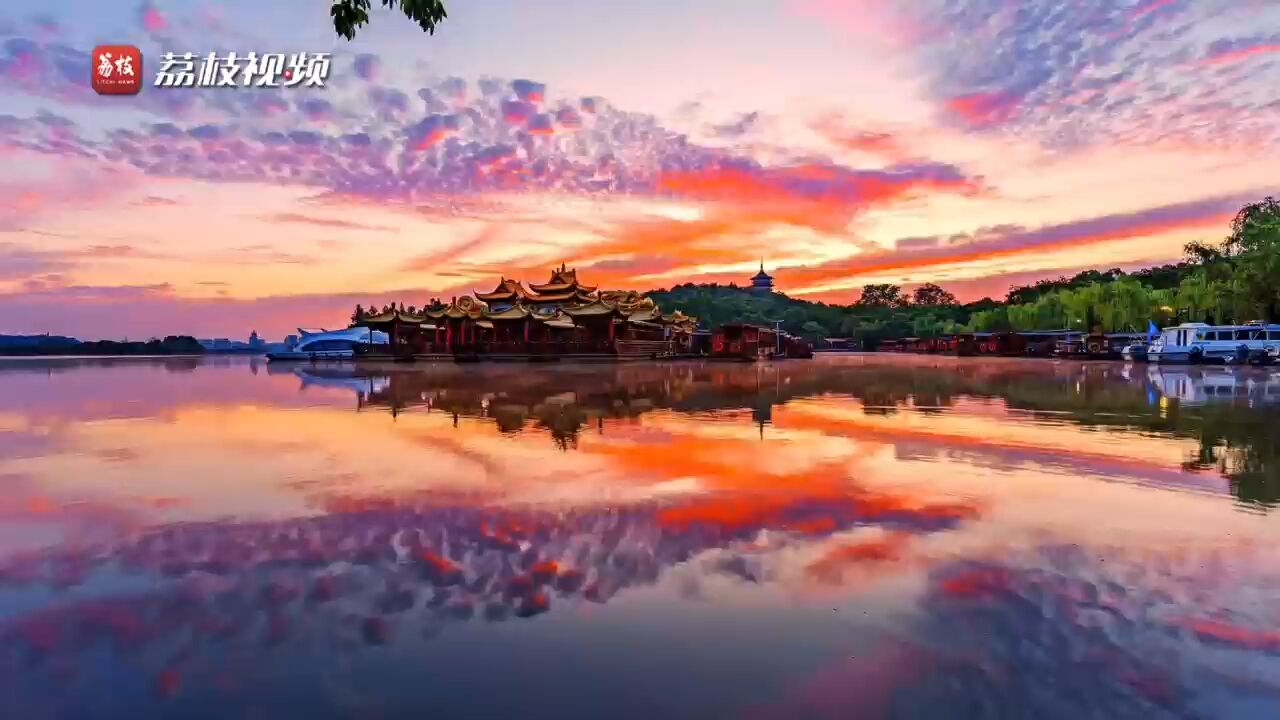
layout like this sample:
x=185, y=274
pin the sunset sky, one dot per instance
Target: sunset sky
x=972, y=143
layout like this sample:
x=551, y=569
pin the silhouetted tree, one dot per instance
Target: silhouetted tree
x=883, y=295
x=931, y=295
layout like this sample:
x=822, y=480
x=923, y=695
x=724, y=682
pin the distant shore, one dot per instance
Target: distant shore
x=58, y=346
x=190, y=356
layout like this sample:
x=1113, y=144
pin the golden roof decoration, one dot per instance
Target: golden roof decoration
x=460, y=307
x=391, y=316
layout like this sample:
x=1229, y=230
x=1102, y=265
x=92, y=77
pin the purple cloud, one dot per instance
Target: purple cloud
x=499, y=138
x=529, y=91
x=317, y=109
x=1072, y=74
x=739, y=126
x=366, y=66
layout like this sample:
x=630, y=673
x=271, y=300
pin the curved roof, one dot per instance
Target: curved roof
x=594, y=308
x=561, y=280
x=506, y=290
x=515, y=312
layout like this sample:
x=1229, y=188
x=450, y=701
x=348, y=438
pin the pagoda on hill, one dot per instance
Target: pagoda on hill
x=558, y=318
x=761, y=282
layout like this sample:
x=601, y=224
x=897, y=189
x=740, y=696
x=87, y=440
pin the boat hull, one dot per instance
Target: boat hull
x=1135, y=354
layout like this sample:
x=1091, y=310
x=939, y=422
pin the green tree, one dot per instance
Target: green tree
x=350, y=15
x=931, y=295
x=1256, y=227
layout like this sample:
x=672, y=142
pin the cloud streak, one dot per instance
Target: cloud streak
x=335, y=223
x=1011, y=242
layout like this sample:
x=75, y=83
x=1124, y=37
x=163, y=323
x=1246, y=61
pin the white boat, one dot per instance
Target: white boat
x=332, y=344
x=1198, y=342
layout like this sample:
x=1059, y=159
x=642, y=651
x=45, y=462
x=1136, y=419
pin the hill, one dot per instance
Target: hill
x=883, y=312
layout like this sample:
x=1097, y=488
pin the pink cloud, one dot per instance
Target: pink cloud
x=1237, y=54
x=152, y=19
x=983, y=109
x=1147, y=8
x=872, y=19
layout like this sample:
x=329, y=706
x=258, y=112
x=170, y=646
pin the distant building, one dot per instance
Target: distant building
x=255, y=342
x=761, y=282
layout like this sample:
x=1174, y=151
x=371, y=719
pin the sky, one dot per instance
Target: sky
x=977, y=144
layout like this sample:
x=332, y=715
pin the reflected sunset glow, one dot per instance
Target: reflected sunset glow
x=917, y=516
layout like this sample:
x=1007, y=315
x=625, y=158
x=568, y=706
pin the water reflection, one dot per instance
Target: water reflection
x=1183, y=401
x=910, y=537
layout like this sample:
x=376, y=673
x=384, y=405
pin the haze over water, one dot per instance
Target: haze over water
x=856, y=536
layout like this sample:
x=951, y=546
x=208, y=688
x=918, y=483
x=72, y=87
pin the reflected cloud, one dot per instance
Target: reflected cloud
x=200, y=520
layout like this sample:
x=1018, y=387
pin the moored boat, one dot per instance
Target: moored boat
x=1200, y=342
x=743, y=341
x=1135, y=351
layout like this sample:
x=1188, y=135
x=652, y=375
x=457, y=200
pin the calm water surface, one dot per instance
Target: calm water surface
x=848, y=537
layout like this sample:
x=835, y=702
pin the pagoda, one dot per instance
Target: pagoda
x=761, y=282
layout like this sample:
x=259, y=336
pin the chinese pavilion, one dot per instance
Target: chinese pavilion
x=559, y=318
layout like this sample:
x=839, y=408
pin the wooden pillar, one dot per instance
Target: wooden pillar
x=611, y=330
x=448, y=334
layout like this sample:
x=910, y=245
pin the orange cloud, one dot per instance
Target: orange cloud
x=866, y=556
x=834, y=130
x=1214, y=212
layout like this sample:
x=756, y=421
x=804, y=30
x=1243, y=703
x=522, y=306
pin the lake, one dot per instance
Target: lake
x=854, y=536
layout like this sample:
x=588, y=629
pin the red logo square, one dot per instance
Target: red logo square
x=116, y=69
